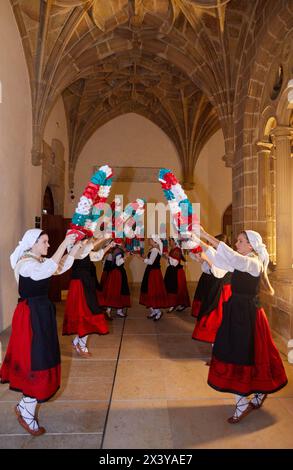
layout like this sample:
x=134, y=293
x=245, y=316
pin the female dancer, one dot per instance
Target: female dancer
x=32, y=361
x=107, y=267
x=153, y=292
x=116, y=290
x=211, y=310
x=204, y=283
x=245, y=359
x=84, y=314
x=175, y=279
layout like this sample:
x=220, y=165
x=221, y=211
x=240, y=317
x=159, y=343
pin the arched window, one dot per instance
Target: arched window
x=227, y=223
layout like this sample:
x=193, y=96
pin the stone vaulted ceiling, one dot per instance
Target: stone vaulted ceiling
x=175, y=62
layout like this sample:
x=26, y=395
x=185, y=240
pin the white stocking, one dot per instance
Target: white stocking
x=82, y=343
x=241, y=405
x=27, y=408
x=257, y=398
x=153, y=312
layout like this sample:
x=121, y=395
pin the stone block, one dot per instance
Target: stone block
x=281, y=322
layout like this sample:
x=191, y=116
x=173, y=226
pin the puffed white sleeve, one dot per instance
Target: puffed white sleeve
x=211, y=253
x=65, y=264
x=85, y=250
x=173, y=261
x=225, y=256
x=96, y=255
x=153, y=255
x=205, y=267
x=119, y=260
x=36, y=270
x=218, y=272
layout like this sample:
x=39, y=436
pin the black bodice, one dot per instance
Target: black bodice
x=156, y=264
x=245, y=284
x=81, y=265
x=29, y=288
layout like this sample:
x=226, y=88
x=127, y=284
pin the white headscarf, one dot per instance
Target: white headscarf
x=158, y=241
x=259, y=247
x=28, y=240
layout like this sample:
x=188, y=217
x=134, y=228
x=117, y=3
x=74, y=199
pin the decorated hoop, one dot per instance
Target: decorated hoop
x=180, y=207
x=90, y=206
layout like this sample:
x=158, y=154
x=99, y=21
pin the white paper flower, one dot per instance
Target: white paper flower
x=104, y=191
x=189, y=244
x=174, y=207
x=84, y=205
x=140, y=202
x=178, y=192
x=106, y=169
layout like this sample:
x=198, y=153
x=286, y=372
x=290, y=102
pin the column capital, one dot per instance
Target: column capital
x=228, y=158
x=265, y=147
x=282, y=131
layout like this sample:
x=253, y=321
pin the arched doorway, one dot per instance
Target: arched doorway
x=48, y=202
x=55, y=226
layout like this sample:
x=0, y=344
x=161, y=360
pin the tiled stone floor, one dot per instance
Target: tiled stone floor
x=145, y=387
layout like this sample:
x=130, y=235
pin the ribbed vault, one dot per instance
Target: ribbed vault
x=176, y=62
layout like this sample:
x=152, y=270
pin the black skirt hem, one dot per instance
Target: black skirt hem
x=89, y=333
x=235, y=392
x=19, y=390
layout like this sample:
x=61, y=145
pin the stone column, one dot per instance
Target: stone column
x=265, y=207
x=281, y=137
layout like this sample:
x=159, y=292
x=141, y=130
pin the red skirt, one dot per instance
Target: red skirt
x=104, y=278
x=78, y=319
x=206, y=328
x=16, y=368
x=156, y=295
x=182, y=296
x=267, y=375
x=196, y=304
x=112, y=291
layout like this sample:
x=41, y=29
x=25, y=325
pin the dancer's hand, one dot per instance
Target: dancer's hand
x=76, y=247
x=69, y=240
x=203, y=232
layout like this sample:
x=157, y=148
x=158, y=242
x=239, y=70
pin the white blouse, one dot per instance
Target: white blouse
x=119, y=260
x=96, y=255
x=84, y=251
x=87, y=250
x=173, y=261
x=31, y=267
x=154, y=252
x=205, y=267
x=215, y=270
x=228, y=259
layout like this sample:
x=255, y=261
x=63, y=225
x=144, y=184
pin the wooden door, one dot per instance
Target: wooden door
x=53, y=225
